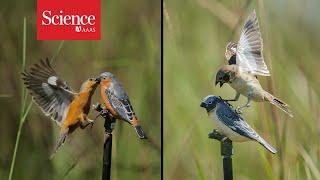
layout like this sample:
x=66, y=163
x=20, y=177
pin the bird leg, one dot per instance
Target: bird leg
x=236, y=98
x=238, y=110
x=84, y=122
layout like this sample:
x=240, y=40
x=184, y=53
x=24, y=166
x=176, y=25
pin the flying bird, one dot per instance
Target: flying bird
x=245, y=63
x=56, y=99
x=230, y=123
x=117, y=102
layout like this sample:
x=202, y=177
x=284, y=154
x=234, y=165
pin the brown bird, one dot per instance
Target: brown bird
x=245, y=64
x=56, y=99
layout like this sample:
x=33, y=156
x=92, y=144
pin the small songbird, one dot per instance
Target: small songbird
x=117, y=102
x=245, y=64
x=230, y=124
x=56, y=99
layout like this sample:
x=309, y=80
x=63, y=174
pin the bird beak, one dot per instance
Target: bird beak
x=220, y=83
x=203, y=105
x=98, y=80
x=216, y=83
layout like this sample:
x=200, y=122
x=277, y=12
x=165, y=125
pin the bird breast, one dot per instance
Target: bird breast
x=248, y=86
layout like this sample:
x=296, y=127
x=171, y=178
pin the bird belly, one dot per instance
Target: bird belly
x=240, y=86
x=107, y=102
x=248, y=88
x=227, y=131
x=74, y=113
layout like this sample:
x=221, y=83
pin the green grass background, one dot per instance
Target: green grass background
x=130, y=48
x=195, y=35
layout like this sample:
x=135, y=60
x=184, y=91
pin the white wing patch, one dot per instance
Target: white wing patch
x=250, y=47
x=52, y=80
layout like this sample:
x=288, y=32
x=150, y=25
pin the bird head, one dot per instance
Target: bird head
x=210, y=102
x=106, y=78
x=231, y=49
x=225, y=74
x=106, y=75
x=90, y=84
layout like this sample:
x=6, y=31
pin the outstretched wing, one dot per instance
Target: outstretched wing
x=249, y=48
x=120, y=102
x=48, y=91
x=235, y=122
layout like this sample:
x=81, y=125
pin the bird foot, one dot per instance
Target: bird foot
x=91, y=123
x=97, y=107
x=238, y=110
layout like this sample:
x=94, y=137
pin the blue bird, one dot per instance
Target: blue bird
x=231, y=124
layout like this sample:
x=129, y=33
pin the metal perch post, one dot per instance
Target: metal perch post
x=226, y=153
x=109, y=122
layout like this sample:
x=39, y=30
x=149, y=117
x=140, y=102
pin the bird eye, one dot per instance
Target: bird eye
x=226, y=77
x=91, y=79
x=210, y=102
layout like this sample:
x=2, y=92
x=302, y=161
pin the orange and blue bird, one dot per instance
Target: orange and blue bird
x=56, y=99
x=117, y=102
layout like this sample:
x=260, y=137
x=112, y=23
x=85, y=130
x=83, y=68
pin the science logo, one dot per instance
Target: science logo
x=68, y=20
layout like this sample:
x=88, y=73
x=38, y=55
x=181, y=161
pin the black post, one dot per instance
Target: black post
x=107, y=148
x=109, y=122
x=226, y=153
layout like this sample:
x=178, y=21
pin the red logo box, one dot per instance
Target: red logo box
x=68, y=20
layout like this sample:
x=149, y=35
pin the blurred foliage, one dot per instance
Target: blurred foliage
x=130, y=48
x=195, y=35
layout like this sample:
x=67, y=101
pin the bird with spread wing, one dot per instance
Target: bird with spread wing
x=245, y=63
x=56, y=99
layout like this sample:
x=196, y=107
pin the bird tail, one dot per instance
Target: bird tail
x=61, y=140
x=267, y=145
x=138, y=128
x=279, y=103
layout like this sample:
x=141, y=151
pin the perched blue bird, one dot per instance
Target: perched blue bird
x=231, y=124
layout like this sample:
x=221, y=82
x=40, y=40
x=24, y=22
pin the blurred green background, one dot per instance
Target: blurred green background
x=130, y=48
x=195, y=35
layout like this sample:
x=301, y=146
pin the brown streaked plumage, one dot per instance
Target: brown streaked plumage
x=56, y=99
x=247, y=85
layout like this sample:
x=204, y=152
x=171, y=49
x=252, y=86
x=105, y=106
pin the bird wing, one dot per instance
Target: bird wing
x=48, y=91
x=234, y=121
x=120, y=102
x=249, y=48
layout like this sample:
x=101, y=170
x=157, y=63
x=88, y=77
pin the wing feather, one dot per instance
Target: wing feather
x=120, y=103
x=250, y=47
x=232, y=120
x=48, y=91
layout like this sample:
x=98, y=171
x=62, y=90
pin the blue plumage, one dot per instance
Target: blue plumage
x=230, y=123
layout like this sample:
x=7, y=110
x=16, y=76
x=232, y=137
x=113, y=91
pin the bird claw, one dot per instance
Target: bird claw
x=97, y=107
x=238, y=110
x=91, y=123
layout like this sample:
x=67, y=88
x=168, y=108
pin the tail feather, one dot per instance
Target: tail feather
x=140, y=132
x=279, y=103
x=137, y=127
x=61, y=140
x=267, y=145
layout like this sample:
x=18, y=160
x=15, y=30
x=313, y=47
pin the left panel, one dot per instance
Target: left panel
x=58, y=60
